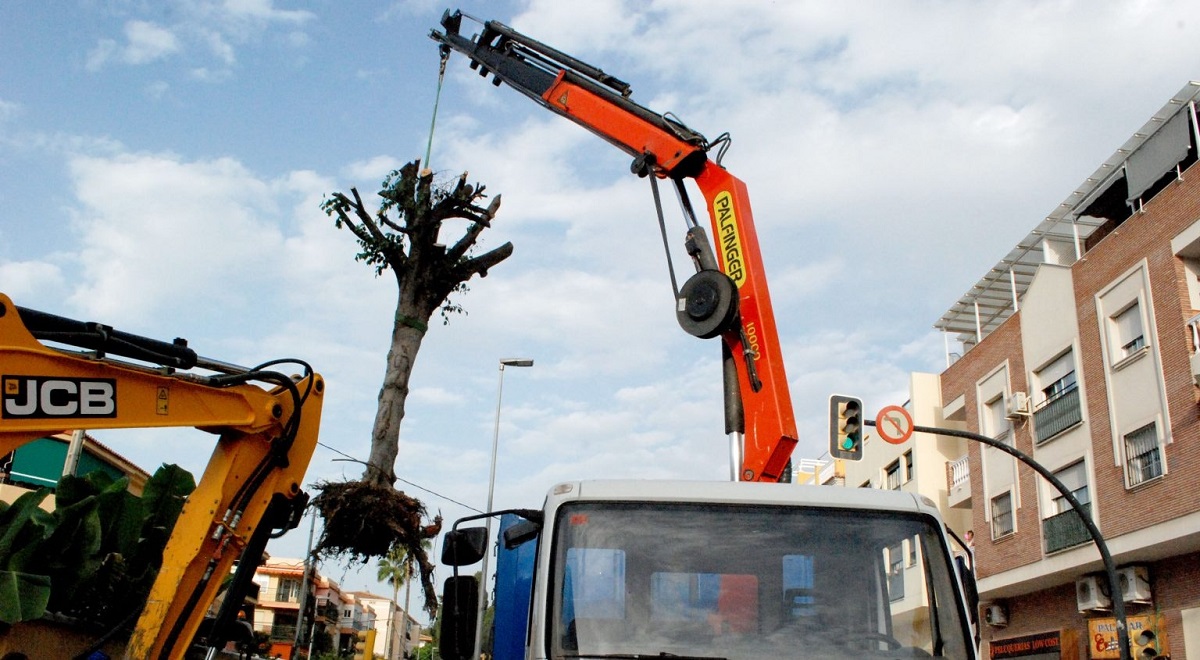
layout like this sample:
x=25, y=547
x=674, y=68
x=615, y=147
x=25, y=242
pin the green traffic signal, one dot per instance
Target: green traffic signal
x=845, y=427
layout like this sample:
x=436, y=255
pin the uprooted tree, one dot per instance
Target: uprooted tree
x=369, y=517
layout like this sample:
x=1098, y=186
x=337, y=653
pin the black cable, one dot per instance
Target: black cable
x=662, y=229
x=722, y=145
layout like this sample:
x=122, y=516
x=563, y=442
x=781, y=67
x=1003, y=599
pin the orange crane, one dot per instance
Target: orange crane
x=727, y=296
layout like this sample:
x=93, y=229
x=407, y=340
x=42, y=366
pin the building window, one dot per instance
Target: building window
x=1002, y=515
x=289, y=590
x=909, y=468
x=1143, y=459
x=1074, y=477
x=1060, y=407
x=892, y=479
x=1128, y=337
x=1060, y=386
x=997, y=423
x=1064, y=528
x=1057, y=377
x=896, y=571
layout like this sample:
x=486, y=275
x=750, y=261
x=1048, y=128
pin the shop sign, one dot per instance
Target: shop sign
x=1102, y=634
x=1020, y=647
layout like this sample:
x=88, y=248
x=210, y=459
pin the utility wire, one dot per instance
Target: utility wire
x=419, y=487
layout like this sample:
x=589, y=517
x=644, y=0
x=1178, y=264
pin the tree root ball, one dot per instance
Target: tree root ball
x=364, y=520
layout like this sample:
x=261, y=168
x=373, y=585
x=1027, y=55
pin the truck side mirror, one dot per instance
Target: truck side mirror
x=520, y=533
x=463, y=547
x=460, y=605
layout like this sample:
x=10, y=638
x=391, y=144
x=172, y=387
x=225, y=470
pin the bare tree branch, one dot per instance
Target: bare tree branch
x=367, y=221
x=481, y=264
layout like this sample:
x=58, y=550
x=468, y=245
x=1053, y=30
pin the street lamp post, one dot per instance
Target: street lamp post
x=504, y=362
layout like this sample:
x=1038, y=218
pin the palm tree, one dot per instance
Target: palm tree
x=397, y=568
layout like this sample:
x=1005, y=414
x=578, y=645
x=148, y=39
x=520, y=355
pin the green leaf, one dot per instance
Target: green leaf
x=23, y=526
x=73, y=548
x=121, y=518
x=162, y=500
x=165, y=494
x=72, y=489
x=23, y=597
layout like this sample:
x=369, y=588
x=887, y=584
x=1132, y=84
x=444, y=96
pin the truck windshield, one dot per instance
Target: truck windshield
x=726, y=581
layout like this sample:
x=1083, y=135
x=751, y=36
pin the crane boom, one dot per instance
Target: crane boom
x=664, y=147
x=249, y=489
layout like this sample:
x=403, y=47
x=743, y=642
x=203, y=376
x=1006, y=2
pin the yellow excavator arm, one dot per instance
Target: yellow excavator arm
x=266, y=437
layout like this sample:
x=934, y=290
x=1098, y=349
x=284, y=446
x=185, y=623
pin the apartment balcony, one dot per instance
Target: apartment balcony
x=1057, y=414
x=958, y=482
x=328, y=612
x=1065, y=530
x=831, y=474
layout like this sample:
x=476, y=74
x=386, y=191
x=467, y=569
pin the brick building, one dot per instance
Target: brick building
x=1080, y=349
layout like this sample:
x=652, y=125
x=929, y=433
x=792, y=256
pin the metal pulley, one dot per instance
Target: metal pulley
x=707, y=305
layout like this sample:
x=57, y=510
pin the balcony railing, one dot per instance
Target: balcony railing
x=1065, y=530
x=282, y=633
x=1057, y=414
x=278, y=595
x=959, y=472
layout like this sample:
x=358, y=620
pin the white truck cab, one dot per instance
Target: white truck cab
x=639, y=569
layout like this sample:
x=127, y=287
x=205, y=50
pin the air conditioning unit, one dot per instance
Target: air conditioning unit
x=996, y=615
x=1091, y=593
x=1018, y=406
x=1135, y=584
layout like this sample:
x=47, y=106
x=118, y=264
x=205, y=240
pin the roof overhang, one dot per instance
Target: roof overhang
x=993, y=298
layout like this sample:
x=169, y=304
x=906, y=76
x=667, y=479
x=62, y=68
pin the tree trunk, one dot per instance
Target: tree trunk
x=385, y=434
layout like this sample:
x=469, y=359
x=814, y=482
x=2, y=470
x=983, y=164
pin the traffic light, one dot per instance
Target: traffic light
x=845, y=427
x=1149, y=642
x=364, y=644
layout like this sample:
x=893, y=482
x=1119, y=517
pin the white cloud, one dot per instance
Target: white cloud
x=19, y=279
x=100, y=54
x=148, y=42
x=8, y=111
x=160, y=233
x=398, y=10
x=434, y=396
x=215, y=28
x=210, y=75
x=368, y=174
x=220, y=48
x=145, y=42
x=157, y=89
x=265, y=10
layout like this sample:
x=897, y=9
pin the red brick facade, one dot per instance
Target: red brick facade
x=1146, y=236
x=1143, y=238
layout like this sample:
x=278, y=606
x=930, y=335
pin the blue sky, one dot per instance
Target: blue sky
x=162, y=166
